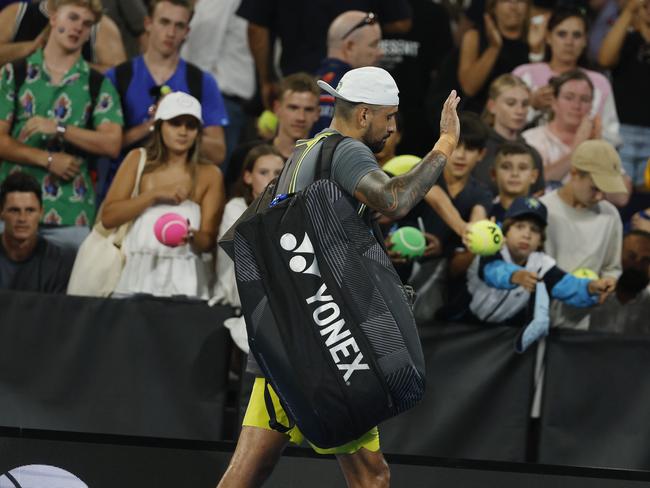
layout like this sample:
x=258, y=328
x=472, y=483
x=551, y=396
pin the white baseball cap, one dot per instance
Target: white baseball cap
x=371, y=85
x=178, y=103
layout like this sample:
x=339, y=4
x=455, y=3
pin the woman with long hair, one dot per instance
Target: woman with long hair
x=173, y=180
x=567, y=39
x=505, y=113
x=499, y=46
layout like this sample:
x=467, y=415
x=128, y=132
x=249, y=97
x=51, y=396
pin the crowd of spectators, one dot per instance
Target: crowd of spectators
x=554, y=120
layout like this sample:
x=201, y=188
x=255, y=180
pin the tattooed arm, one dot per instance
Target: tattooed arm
x=395, y=197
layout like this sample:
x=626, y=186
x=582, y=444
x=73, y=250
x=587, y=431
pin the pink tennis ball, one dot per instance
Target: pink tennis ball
x=170, y=229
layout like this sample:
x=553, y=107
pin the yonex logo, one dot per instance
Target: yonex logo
x=298, y=263
x=327, y=314
x=338, y=338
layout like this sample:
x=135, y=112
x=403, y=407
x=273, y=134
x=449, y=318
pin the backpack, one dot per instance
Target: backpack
x=328, y=319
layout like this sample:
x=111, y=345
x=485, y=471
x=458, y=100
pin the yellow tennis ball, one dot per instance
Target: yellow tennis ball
x=585, y=273
x=267, y=123
x=401, y=164
x=485, y=238
x=165, y=90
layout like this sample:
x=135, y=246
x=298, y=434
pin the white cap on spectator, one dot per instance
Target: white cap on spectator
x=371, y=85
x=178, y=103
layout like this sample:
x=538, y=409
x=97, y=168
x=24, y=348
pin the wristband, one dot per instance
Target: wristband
x=446, y=145
x=60, y=129
x=644, y=215
x=50, y=158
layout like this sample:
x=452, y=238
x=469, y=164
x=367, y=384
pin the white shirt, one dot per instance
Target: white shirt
x=218, y=43
x=582, y=238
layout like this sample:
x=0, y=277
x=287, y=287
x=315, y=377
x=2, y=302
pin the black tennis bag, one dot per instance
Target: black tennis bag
x=329, y=321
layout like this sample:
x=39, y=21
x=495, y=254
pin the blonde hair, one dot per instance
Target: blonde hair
x=95, y=6
x=497, y=87
x=158, y=154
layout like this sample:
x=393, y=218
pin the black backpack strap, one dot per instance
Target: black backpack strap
x=123, y=75
x=194, y=79
x=94, y=86
x=326, y=154
x=20, y=73
x=270, y=409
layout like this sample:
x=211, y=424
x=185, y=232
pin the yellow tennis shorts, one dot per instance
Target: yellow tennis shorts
x=257, y=416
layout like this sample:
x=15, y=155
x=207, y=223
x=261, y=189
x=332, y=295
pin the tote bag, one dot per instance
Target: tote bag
x=99, y=262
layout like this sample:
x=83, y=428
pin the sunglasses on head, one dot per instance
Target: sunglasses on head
x=369, y=19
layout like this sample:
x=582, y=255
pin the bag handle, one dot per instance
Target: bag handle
x=270, y=409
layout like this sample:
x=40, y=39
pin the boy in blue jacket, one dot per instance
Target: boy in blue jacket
x=501, y=286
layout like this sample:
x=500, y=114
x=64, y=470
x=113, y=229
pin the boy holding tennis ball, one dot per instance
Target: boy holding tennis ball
x=457, y=197
x=501, y=285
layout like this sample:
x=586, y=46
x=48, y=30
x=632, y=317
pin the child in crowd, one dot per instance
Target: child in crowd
x=261, y=165
x=457, y=198
x=514, y=173
x=501, y=285
x=505, y=114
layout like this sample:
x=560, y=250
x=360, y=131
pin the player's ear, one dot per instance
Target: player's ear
x=363, y=116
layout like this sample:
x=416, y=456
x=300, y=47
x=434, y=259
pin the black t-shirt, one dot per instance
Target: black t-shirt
x=413, y=59
x=498, y=212
x=302, y=25
x=473, y=194
x=630, y=81
x=47, y=270
x=512, y=54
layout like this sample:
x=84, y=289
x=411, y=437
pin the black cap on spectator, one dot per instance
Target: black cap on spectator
x=527, y=206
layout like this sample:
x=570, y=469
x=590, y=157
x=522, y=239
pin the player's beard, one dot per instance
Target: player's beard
x=375, y=146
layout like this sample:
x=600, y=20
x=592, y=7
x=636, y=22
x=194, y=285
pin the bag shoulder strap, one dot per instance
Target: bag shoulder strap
x=326, y=153
x=324, y=162
x=20, y=73
x=123, y=75
x=95, y=81
x=138, y=176
x=116, y=235
x=194, y=80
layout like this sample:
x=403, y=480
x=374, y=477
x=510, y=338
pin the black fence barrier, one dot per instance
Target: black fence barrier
x=477, y=400
x=50, y=460
x=158, y=369
x=596, y=401
x=143, y=367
